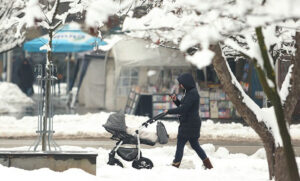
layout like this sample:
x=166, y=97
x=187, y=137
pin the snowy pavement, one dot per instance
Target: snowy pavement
x=79, y=132
x=245, y=147
x=90, y=126
x=227, y=167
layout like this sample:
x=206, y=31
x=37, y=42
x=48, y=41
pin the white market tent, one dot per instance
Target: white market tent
x=99, y=87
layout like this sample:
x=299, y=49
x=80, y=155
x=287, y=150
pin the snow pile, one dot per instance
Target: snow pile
x=90, y=125
x=211, y=130
x=11, y=97
x=227, y=167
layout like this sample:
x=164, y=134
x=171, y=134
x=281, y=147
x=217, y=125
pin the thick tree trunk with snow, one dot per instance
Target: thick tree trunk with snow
x=236, y=98
x=281, y=165
x=273, y=95
x=276, y=157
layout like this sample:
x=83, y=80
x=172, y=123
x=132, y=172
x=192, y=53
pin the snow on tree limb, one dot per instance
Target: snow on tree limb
x=201, y=58
x=265, y=115
x=284, y=91
x=51, y=15
x=246, y=99
x=15, y=16
x=201, y=23
x=32, y=12
x=98, y=11
x=235, y=45
x=75, y=6
x=269, y=118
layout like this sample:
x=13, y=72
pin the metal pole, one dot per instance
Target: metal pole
x=4, y=69
x=68, y=72
x=205, y=76
x=46, y=111
x=9, y=66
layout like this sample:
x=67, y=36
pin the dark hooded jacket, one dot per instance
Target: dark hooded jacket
x=188, y=108
x=26, y=76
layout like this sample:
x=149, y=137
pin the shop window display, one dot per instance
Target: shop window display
x=128, y=77
x=153, y=98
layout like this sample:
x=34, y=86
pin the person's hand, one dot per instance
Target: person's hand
x=173, y=97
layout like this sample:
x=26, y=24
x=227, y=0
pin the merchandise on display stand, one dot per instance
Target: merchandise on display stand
x=214, y=104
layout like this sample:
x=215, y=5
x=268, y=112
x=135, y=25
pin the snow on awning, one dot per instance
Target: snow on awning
x=110, y=42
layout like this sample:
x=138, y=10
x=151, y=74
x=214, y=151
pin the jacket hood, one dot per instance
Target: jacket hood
x=187, y=81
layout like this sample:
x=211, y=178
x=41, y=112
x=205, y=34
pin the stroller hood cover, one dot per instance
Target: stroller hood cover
x=116, y=122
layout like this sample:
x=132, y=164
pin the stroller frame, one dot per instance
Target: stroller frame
x=139, y=162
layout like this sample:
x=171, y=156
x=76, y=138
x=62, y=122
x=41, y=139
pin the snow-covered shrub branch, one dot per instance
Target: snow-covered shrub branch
x=15, y=17
x=203, y=22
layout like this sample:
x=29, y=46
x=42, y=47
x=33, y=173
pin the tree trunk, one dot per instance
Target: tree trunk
x=47, y=93
x=281, y=165
x=48, y=79
x=235, y=96
x=291, y=169
x=277, y=160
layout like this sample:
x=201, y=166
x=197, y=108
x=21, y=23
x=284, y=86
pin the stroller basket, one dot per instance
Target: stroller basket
x=128, y=154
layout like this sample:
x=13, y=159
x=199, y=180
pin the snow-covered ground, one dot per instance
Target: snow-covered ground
x=90, y=125
x=227, y=167
x=12, y=99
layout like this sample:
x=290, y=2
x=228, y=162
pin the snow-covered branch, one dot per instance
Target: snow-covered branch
x=246, y=99
x=15, y=17
x=285, y=88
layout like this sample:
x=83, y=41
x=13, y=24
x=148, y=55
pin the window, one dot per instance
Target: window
x=128, y=78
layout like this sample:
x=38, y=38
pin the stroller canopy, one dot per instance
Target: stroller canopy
x=116, y=122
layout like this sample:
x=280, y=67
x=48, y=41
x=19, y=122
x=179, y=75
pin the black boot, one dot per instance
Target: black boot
x=176, y=164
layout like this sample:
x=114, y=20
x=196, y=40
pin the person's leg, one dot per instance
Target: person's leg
x=195, y=145
x=179, y=151
x=58, y=85
x=201, y=153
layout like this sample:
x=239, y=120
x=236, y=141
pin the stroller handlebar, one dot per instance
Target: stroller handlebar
x=161, y=115
x=150, y=121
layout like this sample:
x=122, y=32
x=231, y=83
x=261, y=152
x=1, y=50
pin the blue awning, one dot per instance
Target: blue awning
x=68, y=39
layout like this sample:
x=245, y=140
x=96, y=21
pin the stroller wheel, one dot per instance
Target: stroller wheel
x=142, y=163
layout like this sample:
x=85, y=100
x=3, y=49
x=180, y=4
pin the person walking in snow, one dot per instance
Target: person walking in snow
x=190, y=122
x=26, y=76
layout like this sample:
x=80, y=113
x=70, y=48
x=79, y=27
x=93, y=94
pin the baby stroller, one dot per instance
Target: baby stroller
x=117, y=127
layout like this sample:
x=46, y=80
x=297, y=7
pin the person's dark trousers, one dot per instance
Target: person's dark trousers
x=194, y=144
